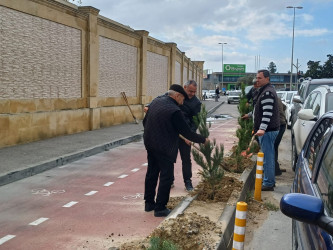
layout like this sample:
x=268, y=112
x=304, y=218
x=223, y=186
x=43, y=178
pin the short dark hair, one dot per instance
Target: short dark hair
x=265, y=72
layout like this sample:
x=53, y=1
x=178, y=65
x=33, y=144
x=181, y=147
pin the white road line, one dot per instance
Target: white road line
x=145, y=164
x=91, y=193
x=39, y=221
x=108, y=184
x=69, y=204
x=123, y=176
x=6, y=238
x=135, y=169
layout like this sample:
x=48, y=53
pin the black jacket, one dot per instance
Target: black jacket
x=163, y=123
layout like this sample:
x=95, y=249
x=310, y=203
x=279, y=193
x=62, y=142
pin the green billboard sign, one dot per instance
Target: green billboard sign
x=234, y=68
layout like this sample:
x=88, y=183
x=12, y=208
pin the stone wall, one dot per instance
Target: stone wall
x=62, y=69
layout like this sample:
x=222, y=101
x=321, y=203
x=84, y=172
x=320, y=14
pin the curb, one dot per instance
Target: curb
x=65, y=159
x=212, y=110
x=227, y=218
x=228, y=215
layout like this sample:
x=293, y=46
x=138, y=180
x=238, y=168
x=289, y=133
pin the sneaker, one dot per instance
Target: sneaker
x=188, y=185
x=162, y=213
x=149, y=206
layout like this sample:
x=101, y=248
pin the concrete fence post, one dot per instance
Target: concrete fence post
x=240, y=224
x=259, y=172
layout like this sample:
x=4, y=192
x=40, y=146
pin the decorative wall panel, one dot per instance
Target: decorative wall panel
x=178, y=75
x=184, y=76
x=157, y=74
x=38, y=58
x=117, y=68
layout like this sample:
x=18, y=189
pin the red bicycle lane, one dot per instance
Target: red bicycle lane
x=108, y=189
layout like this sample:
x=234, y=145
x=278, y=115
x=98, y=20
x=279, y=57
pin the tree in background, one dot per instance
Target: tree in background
x=328, y=67
x=272, y=67
x=317, y=71
x=314, y=70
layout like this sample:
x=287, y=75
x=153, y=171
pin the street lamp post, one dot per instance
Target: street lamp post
x=292, y=45
x=222, y=64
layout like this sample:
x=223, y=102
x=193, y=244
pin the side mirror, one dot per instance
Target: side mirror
x=307, y=209
x=307, y=114
x=297, y=99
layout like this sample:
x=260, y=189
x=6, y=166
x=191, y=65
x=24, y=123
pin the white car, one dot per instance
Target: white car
x=319, y=101
x=211, y=94
x=289, y=105
x=281, y=94
x=234, y=96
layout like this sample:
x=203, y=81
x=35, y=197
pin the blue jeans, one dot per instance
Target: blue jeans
x=267, y=147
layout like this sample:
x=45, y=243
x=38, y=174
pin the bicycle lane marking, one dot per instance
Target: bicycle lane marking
x=6, y=238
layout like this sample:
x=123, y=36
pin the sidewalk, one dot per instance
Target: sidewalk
x=21, y=161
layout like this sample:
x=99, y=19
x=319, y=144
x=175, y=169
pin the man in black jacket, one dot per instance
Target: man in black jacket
x=163, y=123
x=191, y=107
x=266, y=126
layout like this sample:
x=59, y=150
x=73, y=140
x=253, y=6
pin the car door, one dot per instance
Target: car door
x=315, y=177
x=303, y=127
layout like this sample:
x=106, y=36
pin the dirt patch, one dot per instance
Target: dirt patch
x=199, y=226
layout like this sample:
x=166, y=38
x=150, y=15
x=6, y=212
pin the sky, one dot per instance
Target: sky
x=257, y=32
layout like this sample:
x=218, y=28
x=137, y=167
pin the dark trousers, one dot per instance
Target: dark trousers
x=158, y=166
x=185, y=155
x=276, y=147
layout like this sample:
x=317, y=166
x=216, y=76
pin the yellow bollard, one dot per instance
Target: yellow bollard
x=240, y=223
x=259, y=172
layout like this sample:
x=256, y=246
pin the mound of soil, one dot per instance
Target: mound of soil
x=198, y=228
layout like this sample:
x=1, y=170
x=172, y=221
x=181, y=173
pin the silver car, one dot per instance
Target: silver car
x=234, y=96
x=319, y=101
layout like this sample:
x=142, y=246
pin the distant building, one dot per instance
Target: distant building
x=279, y=80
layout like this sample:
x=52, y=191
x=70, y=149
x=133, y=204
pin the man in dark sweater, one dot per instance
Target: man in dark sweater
x=266, y=126
x=163, y=123
x=191, y=107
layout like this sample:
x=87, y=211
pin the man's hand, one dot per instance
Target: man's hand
x=260, y=132
x=145, y=109
x=246, y=116
x=188, y=142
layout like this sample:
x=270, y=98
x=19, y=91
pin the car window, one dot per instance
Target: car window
x=309, y=100
x=316, y=142
x=325, y=178
x=289, y=96
x=301, y=90
x=316, y=105
x=314, y=86
x=329, y=102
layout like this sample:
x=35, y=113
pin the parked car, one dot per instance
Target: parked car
x=305, y=89
x=289, y=104
x=281, y=94
x=311, y=202
x=211, y=94
x=234, y=96
x=316, y=104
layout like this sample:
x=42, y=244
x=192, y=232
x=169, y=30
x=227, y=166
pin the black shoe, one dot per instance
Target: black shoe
x=162, y=213
x=278, y=173
x=188, y=185
x=149, y=206
x=265, y=188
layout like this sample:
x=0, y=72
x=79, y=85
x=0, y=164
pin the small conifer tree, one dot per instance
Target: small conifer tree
x=209, y=156
x=244, y=132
